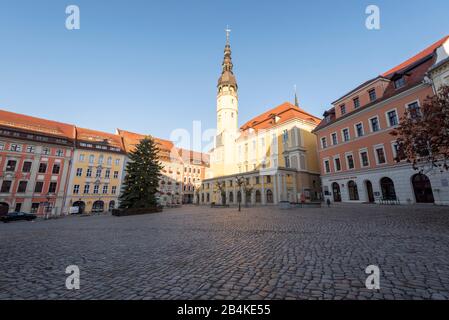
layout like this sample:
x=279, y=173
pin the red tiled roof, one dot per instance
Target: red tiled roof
x=285, y=112
x=426, y=52
x=168, y=151
x=33, y=124
x=417, y=63
x=95, y=136
x=194, y=155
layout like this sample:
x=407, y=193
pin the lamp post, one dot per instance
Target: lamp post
x=239, y=181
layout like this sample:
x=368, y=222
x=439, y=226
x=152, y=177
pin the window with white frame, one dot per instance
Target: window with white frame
x=356, y=101
x=15, y=147
x=380, y=155
x=392, y=118
x=96, y=187
x=337, y=163
x=79, y=172
x=323, y=143
x=89, y=172
x=399, y=83
x=76, y=189
x=117, y=162
x=81, y=157
x=114, y=190
x=334, y=138
x=287, y=161
x=31, y=149
x=374, y=124
x=105, y=189
x=394, y=149
x=86, y=188
x=327, y=167
x=364, y=160
x=359, y=129
x=414, y=110
x=372, y=95
x=91, y=158
x=350, y=161
x=59, y=153
x=285, y=136
x=345, y=134
x=46, y=151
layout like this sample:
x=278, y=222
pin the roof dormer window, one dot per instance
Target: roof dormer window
x=399, y=83
x=372, y=95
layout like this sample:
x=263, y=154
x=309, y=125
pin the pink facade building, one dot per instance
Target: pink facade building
x=35, y=159
x=356, y=150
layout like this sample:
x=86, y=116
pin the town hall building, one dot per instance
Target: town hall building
x=269, y=159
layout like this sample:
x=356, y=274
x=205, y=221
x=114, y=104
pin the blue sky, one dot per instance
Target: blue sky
x=152, y=66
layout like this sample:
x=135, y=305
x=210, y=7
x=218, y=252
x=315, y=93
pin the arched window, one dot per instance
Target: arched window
x=269, y=196
x=248, y=196
x=98, y=206
x=207, y=197
x=258, y=197
x=111, y=205
x=387, y=187
x=100, y=159
x=231, y=197
x=91, y=158
x=109, y=161
x=81, y=206
x=353, y=191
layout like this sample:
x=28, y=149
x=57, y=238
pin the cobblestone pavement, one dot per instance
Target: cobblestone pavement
x=260, y=253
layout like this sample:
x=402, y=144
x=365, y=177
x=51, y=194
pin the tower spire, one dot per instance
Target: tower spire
x=227, y=77
x=296, y=97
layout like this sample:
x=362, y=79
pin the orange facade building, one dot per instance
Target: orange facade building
x=356, y=150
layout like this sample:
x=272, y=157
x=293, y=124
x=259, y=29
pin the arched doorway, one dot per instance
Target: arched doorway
x=4, y=208
x=248, y=196
x=369, y=191
x=353, y=191
x=98, y=206
x=269, y=196
x=422, y=188
x=336, y=192
x=258, y=197
x=231, y=197
x=387, y=187
x=223, y=198
x=111, y=205
x=81, y=206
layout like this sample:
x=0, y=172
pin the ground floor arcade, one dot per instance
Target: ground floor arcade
x=261, y=187
x=399, y=184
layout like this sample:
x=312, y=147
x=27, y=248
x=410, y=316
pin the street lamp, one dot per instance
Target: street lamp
x=239, y=181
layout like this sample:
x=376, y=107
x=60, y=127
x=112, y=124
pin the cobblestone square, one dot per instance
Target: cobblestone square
x=259, y=253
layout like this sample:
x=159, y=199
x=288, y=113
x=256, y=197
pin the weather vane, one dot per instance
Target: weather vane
x=228, y=31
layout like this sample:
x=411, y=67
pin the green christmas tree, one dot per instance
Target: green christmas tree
x=142, y=176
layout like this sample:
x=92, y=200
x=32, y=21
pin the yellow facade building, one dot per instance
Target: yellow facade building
x=274, y=154
x=97, y=172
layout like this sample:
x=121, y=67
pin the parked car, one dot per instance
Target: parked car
x=15, y=216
